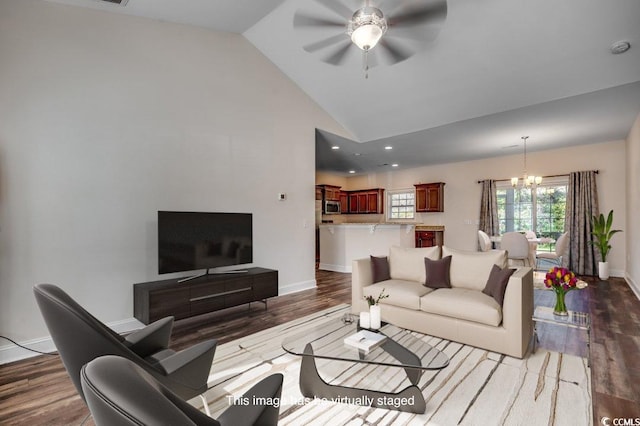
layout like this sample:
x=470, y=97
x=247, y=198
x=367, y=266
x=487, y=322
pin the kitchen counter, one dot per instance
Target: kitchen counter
x=341, y=243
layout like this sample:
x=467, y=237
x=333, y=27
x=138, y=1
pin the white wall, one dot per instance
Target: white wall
x=462, y=192
x=106, y=119
x=632, y=228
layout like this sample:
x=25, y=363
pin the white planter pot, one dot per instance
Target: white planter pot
x=374, y=313
x=603, y=270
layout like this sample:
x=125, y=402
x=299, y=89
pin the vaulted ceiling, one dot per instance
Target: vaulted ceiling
x=497, y=70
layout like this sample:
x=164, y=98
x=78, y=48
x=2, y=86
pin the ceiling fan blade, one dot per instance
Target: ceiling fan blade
x=434, y=12
x=337, y=7
x=339, y=56
x=321, y=44
x=301, y=20
x=394, y=51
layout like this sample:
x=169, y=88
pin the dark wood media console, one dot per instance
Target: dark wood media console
x=157, y=299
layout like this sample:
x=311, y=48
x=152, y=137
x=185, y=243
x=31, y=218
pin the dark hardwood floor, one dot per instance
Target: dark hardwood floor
x=37, y=391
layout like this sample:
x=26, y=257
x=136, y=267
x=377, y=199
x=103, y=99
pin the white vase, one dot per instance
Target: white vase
x=365, y=321
x=603, y=270
x=374, y=313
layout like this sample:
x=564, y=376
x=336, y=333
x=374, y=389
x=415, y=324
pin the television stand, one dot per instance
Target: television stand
x=209, y=272
x=157, y=299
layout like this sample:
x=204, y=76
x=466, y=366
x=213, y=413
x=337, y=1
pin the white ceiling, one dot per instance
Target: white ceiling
x=498, y=70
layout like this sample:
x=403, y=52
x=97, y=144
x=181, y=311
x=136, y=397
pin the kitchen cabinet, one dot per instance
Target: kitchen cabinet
x=367, y=201
x=430, y=197
x=331, y=193
x=429, y=236
x=344, y=202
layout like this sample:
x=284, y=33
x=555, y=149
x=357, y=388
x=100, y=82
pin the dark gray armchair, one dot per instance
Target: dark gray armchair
x=80, y=338
x=120, y=393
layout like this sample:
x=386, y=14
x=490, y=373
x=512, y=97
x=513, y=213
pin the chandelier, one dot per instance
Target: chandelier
x=527, y=181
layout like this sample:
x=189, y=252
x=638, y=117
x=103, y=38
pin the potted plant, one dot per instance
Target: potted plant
x=374, y=309
x=602, y=233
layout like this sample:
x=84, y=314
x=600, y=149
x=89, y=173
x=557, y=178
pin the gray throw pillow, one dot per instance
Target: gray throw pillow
x=497, y=283
x=380, y=269
x=438, y=272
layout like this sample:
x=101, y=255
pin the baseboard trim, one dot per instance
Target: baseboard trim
x=634, y=285
x=11, y=353
x=296, y=287
x=334, y=268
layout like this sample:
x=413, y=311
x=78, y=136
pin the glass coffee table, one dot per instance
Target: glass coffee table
x=573, y=319
x=400, y=349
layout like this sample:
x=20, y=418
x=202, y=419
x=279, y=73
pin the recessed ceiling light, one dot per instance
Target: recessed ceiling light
x=388, y=147
x=357, y=154
x=335, y=147
x=620, y=47
x=352, y=171
x=394, y=165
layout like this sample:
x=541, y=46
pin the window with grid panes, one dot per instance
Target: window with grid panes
x=402, y=205
x=540, y=209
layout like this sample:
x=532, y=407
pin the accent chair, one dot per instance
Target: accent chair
x=80, y=338
x=120, y=393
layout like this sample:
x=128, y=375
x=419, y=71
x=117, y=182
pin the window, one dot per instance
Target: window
x=401, y=204
x=539, y=209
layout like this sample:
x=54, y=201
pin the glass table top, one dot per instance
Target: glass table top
x=574, y=319
x=399, y=349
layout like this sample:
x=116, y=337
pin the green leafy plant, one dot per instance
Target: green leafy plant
x=602, y=233
x=371, y=301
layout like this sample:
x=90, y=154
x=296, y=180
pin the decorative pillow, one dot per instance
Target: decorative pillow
x=470, y=269
x=407, y=263
x=380, y=269
x=437, y=272
x=497, y=283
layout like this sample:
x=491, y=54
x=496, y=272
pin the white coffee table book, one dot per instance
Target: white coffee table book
x=365, y=340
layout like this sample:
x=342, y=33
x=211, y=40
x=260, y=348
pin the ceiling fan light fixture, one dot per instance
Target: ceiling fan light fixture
x=366, y=27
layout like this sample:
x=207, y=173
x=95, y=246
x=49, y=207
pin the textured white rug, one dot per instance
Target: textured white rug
x=477, y=388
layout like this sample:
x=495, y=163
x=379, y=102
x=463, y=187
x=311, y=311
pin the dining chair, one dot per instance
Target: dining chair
x=484, y=240
x=79, y=338
x=120, y=393
x=517, y=247
x=556, y=256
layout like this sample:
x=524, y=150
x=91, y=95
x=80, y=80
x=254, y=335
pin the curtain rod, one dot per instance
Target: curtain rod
x=543, y=177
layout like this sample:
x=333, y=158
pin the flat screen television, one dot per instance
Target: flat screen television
x=189, y=241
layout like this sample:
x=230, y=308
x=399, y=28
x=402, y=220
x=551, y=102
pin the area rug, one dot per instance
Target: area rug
x=477, y=388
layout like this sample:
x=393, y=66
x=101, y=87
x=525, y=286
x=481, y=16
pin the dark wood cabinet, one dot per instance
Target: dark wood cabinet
x=353, y=203
x=367, y=201
x=158, y=299
x=344, y=202
x=331, y=192
x=429, y=238
x=430, y=197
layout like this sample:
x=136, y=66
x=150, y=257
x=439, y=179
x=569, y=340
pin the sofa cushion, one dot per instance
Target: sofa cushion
x=379, y=268
x=470, y=269
x=405, y=294
x=464, y=304
x=497, y=283
x=437, y=272
x=408, y=263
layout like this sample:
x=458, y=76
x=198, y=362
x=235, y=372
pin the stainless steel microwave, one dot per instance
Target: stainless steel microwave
x=332, y=207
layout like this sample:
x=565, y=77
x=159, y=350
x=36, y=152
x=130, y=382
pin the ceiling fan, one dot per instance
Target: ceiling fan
x=392, y=37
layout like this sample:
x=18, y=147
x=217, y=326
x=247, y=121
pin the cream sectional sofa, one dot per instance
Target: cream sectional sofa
x=462, y=313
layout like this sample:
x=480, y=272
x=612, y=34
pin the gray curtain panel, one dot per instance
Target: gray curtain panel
x=489, y=208
x=582, y=205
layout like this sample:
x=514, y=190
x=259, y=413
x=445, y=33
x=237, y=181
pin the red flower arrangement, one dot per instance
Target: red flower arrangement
x=562, y=280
